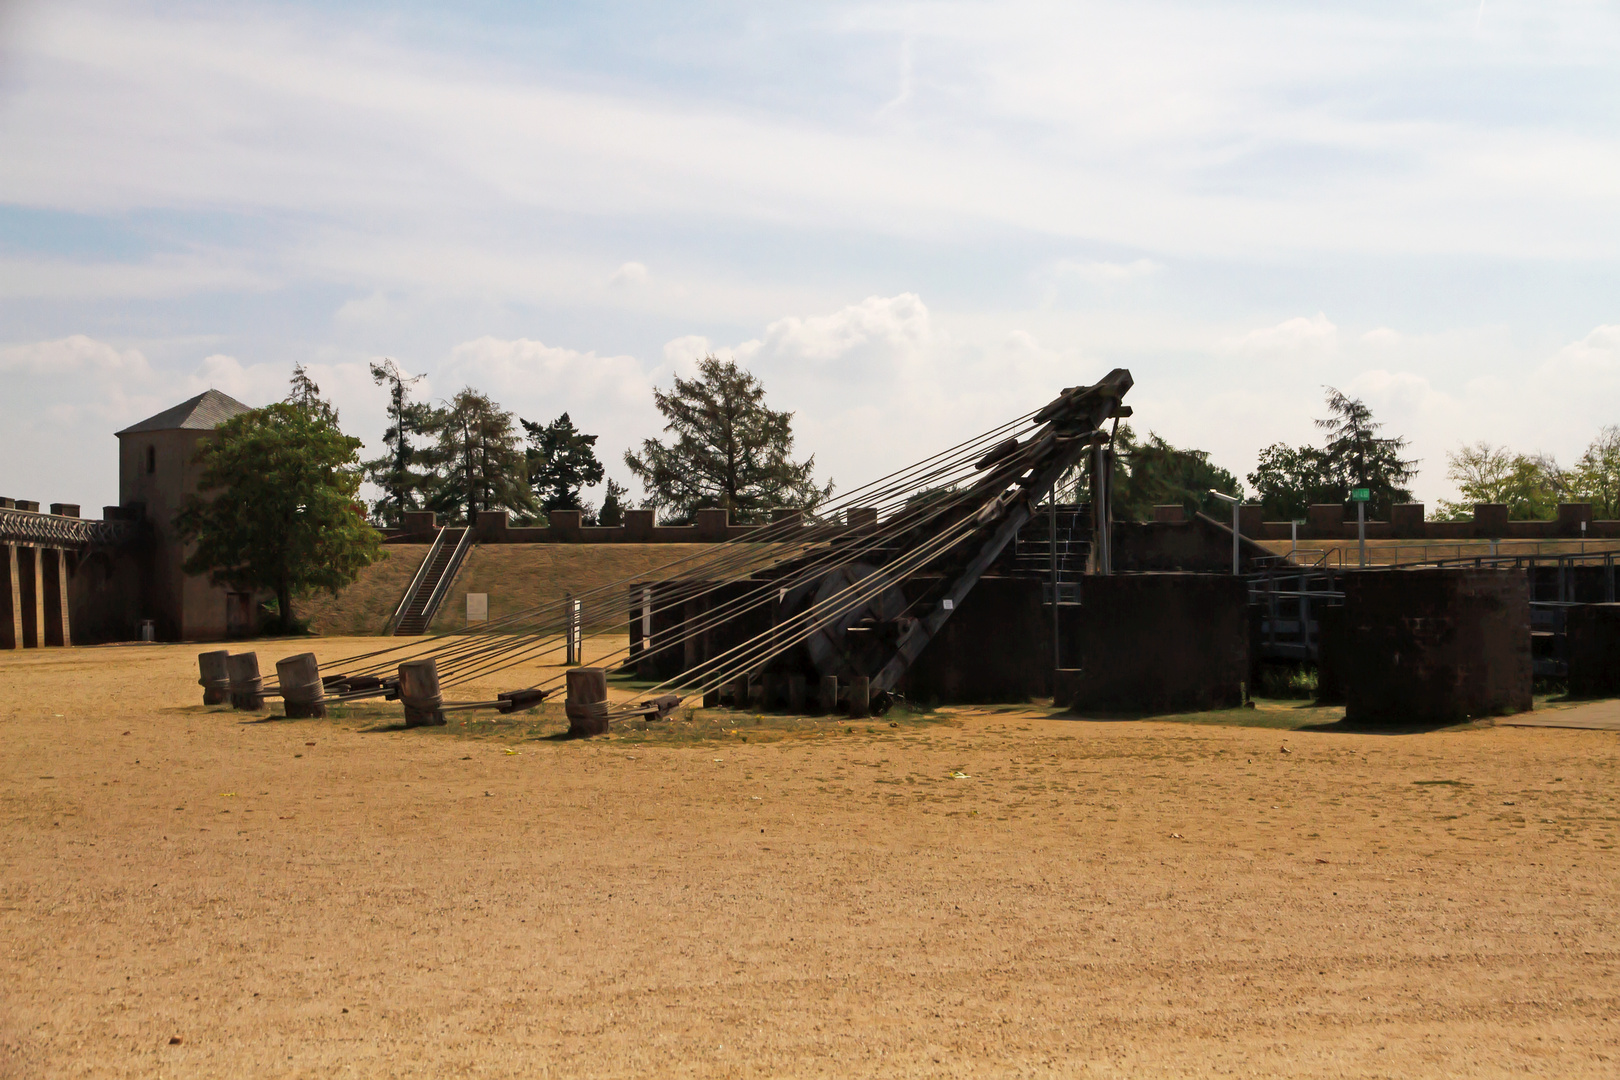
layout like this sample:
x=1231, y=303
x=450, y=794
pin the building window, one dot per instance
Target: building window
x=151, y=459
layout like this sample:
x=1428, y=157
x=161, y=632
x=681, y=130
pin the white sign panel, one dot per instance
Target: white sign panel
x=477, y=607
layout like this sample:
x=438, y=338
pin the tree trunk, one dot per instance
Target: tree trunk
x=284, y=605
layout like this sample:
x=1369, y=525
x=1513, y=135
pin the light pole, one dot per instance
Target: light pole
x=1235, y=504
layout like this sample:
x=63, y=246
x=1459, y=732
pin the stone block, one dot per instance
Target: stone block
x=65, y=509
x=712, y=524
x=1406, y=520
x=638, y=525
x=1571, y=516
x=1326, y=519
x=1430, y=647
x=1490, y=520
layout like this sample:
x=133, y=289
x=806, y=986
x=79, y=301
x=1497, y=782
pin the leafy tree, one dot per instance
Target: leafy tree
x=1357, y=457
x=402, y=485
x=477, y=462
x=1530, y=486
x=561, y=461
x=1287, y=479
x=1596, y=476
x=612, y=512
x=728, y=449
x=1154, y=473
x=282, y=513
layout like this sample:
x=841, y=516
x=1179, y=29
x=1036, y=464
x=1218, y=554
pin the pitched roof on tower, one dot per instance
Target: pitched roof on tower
x=204, y=412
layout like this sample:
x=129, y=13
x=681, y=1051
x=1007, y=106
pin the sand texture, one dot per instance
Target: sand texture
x=341, y=898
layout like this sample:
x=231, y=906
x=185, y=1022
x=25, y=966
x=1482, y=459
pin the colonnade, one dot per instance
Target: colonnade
x=34, y=597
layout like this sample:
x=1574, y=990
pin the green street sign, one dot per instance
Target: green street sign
x=1360, y=495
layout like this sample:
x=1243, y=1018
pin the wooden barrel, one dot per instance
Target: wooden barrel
x=827, y=699
x=860, y=696
x=302, y=693
x=215, y=676
x=587, y=704
x=419, y=693
x=247, y=689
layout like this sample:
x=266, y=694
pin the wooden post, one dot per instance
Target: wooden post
x=215, y=676
x=860, y=696
x=419, y=693
x=770, y=692
x=796, y=693
x=587, y=705
x=247, y=689
x=739, y=692
x=302, y=695
x=33, y=596
x=11, y=621
x=54, y=598
x=827, y=699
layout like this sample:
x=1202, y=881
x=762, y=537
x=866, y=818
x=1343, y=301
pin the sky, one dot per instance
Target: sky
x=913, y=221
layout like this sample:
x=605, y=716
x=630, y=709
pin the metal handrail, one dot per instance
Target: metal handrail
x=447, y=577
x=416, y=582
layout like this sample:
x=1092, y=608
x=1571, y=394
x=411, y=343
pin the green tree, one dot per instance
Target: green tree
x=281, y=510
x=728, y=449
x=1287, y=479
x=304, y=394
x=612, y=512
x=1358, y=457
x=1155, y=473
x=561, y=462
x=1530, y=487
x=477, y=461
x=393, y=472
x=1596, y=476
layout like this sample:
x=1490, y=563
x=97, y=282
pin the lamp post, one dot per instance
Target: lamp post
x=1235, y=504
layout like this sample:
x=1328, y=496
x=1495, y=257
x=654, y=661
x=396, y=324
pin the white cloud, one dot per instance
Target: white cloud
x=631, y=273
x=73, y=356
x=1294, y=338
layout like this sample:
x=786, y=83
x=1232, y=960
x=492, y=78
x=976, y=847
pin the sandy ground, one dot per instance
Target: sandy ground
x=340, y=898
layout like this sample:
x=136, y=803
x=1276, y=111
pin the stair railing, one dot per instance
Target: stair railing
x=446, y=578
x=416, y=583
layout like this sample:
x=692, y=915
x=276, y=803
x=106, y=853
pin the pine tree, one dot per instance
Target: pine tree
x=728, y=449
x=562, y=462
x=477, y=461
x=393, y=472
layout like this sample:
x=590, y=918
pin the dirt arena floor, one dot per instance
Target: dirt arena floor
x=193, y=892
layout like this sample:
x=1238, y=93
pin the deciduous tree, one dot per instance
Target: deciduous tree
x=1596, y=476
x=278, y=508
x=1530, y=487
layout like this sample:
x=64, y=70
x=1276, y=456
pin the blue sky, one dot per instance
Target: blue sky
x=912, y=220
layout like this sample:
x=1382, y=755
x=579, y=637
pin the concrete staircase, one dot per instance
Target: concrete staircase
x=432, y=582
